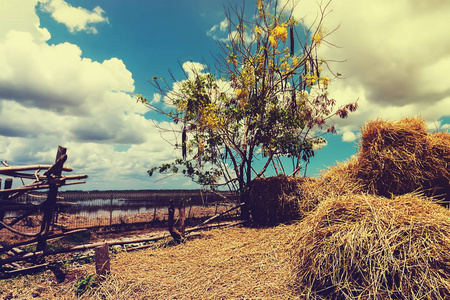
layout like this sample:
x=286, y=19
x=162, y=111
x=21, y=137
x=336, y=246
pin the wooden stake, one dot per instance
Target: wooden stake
x=49, y=205
x=182, y=211
x=8, y=184
x=173, y=232
x=102, y=264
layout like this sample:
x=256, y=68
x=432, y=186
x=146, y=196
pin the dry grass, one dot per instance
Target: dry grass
x=234, y=263
x=370, y=247
x=337, y=180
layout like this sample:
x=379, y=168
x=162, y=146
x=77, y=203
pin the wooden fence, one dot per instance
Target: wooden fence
x=38, y=217
x=88, y=209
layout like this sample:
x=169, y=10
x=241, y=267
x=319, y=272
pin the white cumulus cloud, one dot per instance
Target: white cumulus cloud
x=193, y=68
x=393, y=57
x=75, y=18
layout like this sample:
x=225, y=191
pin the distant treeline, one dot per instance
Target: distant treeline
x=196, y=196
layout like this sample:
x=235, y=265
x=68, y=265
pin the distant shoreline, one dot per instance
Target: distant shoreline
x=148, y=195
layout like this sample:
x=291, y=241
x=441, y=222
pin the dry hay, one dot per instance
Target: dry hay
x=234, y=263
x=282, y=199
x=437, y=164
x=370, y=247
x=337, y=180
x=401, y=157
x=275, y=200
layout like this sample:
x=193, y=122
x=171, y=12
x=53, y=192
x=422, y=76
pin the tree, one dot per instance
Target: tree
x=270, y=108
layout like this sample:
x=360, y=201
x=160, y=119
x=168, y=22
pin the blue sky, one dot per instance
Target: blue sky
x=68, y=68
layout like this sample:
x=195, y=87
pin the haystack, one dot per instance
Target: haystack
x=370, y=247
x=401, y=157
x=275, y=200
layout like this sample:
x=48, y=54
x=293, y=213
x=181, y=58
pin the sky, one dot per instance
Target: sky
x=68, y=69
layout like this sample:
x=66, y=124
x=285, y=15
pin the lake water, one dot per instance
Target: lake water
x=116, y=203
x=116, y=207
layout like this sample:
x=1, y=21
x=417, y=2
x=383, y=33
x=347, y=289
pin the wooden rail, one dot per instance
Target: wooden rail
x=51, y=179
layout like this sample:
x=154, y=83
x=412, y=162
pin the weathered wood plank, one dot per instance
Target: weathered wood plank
x=30, y=168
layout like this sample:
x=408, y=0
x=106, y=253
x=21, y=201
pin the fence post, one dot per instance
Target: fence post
x=102, y=263
x=182, y=211
x=49, y=205
x=110, y=210
x=8, y=185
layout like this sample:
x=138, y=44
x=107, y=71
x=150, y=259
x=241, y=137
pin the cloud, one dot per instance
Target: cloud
x=223, y=26
x=193, y=68
x=219, y=29
x=394, y=57
x=349, y=136
x=75, y=18
x=220, y=32
x=20, y=15
x=52, y=95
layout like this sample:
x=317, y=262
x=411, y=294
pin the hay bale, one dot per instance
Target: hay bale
x=370, y=247
x=437, y=165
x=275, y=200
x=391, y=156
x=400, y=157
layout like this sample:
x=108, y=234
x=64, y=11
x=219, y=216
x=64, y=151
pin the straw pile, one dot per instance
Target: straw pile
x=401, y=157
x=370, y=247
x=337, y=180
x=275, y=200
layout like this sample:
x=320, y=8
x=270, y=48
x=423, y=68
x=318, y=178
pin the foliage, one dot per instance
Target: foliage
x=85, y=283
x=270, y=107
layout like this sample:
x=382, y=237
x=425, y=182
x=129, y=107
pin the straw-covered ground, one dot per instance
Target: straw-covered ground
x=233, y=263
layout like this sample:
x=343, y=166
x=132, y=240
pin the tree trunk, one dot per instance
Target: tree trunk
x=177, y=236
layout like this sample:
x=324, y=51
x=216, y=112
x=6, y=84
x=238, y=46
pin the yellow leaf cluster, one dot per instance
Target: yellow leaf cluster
x=273, y=41
x=241, y=94
x=325, y=81
x=210, y=117
x=317, y=38
x=232, y=59
x=310, y=79
x=280, y=32
x=261, y=10
x=248, y=76
x=285, y=67
x=259, y=60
